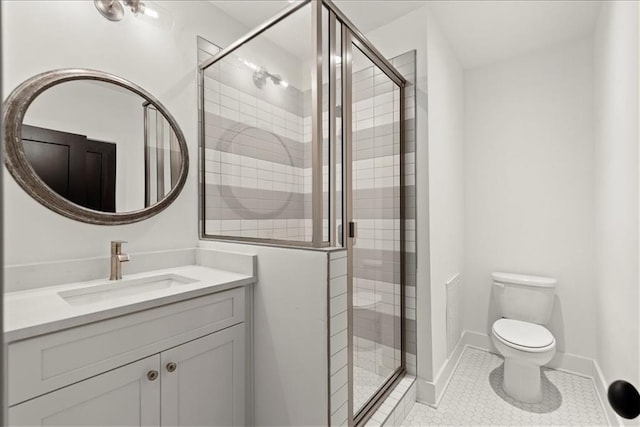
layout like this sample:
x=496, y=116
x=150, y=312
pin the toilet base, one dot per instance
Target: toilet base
x=522, y=380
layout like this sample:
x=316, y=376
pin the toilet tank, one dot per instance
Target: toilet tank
x=521, y=297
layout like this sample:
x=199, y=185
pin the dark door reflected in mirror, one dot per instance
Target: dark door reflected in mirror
x=79, y=169
x=101, y=146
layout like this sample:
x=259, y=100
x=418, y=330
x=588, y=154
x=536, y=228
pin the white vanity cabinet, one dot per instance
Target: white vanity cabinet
x=207, y=386
x=174, y=365
x=121, y=397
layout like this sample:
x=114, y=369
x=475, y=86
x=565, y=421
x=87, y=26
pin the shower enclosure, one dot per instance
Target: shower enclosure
x=302, y=145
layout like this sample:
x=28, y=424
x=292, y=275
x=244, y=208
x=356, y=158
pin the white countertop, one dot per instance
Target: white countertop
x=40, y=311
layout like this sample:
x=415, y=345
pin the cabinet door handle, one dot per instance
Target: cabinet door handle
x=171, y=366
x=152, y=375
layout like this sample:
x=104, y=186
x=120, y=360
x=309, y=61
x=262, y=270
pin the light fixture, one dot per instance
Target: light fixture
x=251, y=65
x=113, y=10
x=260, y=78
x=260, y=75
x=110, y=9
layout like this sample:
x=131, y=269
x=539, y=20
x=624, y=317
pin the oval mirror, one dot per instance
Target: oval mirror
x=93, y=146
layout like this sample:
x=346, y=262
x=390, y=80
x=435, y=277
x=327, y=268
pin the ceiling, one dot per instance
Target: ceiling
x=483, y=32
x=292, y=36
x=480, y=31
x=295, y=36
x=365, y=14
x=368, y=15
x=251, y=13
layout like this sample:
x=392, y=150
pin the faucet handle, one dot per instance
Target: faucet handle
x=116, y=245
x=124, y=258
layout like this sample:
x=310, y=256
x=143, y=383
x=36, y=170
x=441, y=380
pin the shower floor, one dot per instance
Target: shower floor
x=475, y=397
x=365, y=384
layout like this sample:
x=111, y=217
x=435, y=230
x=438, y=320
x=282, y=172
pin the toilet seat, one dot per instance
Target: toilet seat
x=524, y=336
x=366, y=300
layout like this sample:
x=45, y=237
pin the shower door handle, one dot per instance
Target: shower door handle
x=351, y=232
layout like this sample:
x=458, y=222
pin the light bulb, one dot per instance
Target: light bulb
x=155, y=15
x=151, y=13
x=251, y=65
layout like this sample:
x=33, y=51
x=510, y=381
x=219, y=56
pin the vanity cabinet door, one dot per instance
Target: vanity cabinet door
x=126, y=396
x=203, y=381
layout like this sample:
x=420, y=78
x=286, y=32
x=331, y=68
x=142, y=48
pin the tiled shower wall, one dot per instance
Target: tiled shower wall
x=257, y=159
x=258, y=177
x=338, y=338
x=376, y=210
x=258, y=184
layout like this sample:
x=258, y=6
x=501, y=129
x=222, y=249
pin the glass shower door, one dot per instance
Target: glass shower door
x=376, y=214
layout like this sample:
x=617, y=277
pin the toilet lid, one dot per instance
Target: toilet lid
x=365, y=299
x=523, y=334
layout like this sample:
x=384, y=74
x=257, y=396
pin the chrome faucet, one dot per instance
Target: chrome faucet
x=117, y=258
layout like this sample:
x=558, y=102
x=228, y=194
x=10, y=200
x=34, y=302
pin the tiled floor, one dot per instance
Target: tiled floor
x=365, y=384
x=475, y=397
x=397, y=405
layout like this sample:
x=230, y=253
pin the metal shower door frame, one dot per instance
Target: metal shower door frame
x=350, y=36
x=350, y=39
x=363, y=44
x=316, y=133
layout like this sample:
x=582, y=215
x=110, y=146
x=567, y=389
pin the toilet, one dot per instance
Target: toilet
x=525, y=304
x=365, y=307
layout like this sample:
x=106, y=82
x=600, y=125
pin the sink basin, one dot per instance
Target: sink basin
x=123, y=288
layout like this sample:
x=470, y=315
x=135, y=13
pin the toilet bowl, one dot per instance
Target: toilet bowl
x=363, y=300
x=525, y=347
x=365, y=306
x=525, y=304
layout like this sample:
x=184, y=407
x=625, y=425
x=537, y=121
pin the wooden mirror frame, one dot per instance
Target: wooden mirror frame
x=14, y=110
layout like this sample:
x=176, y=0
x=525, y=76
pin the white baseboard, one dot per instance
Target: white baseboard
x=561, y=361
x=601, y=388
x=430, y=393
x=478, y=340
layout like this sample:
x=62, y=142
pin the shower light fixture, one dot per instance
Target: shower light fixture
x=251, y=65
x=260, y=77
x=261, y=74
x=113, y=10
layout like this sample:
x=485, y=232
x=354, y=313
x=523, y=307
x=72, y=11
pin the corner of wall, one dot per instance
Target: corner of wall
x=445, y=85
x=617, y=190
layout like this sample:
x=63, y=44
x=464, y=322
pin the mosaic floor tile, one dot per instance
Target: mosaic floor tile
x=475, y=397
x=365, y=384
